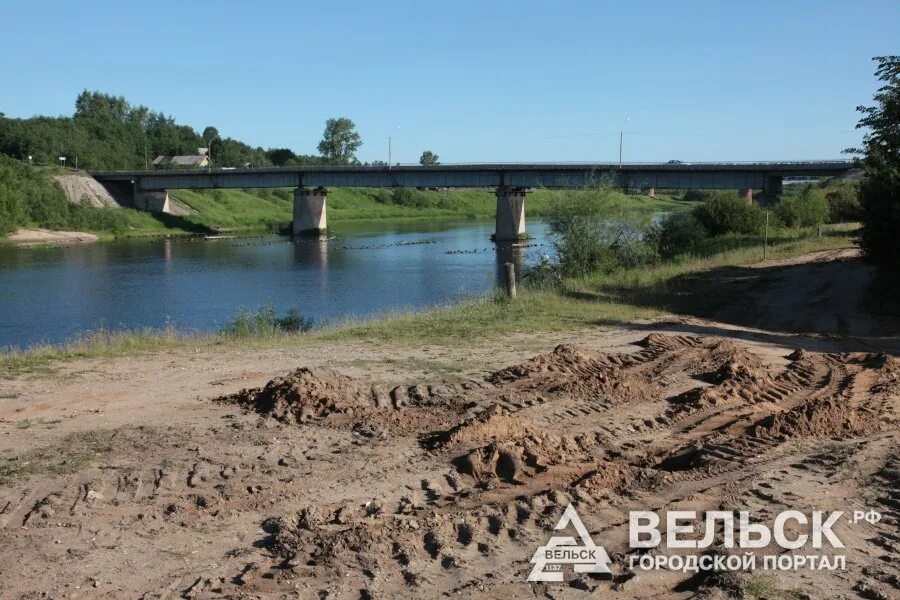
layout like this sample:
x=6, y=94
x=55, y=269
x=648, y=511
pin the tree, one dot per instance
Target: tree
x=209, y=133
x=212, y=138
x=429, y=158
x=879, y=191
x=281, y=156
x=808, y=208
x=340, y=141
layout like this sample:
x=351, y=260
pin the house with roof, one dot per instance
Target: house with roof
x=181, y=162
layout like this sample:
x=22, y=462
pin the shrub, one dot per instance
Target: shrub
x=706, y=195
x=593, y=231
x=264, y=322
x=294, y=321
x=806, y=209
x=580, y=245
x=843, y=204
x=545, y=274
x=634, y=253
x=679, y=233
x=730, y=214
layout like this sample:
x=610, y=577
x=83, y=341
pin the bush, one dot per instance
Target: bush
x=730, y=214
x=843, y=204
x=545, y=274
x=707, y=195
x=580, y=246
x=806, y=209
x=593, y=231
x=633, y=253
x=412, y=198
x=294, y=321
x=679, y=233
x=263, y=322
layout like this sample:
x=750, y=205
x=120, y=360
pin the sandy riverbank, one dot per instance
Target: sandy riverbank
x=31, y=237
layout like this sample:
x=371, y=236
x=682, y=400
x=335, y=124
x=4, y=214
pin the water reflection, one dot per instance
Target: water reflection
x=509, y=253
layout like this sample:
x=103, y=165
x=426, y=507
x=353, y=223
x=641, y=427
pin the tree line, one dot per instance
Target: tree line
x=108, y=132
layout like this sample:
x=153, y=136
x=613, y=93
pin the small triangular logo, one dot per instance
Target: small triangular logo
x=584, y=555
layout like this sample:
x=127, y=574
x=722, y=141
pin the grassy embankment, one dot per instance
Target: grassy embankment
x=617, y=297
x=272, y=209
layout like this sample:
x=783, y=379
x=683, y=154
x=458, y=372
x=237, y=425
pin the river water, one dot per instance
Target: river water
x=55, y=294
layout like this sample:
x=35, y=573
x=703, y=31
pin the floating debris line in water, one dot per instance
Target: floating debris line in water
x=313, y=242
x=484, y=250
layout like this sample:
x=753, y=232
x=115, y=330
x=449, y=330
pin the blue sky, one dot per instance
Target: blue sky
x=472, y=81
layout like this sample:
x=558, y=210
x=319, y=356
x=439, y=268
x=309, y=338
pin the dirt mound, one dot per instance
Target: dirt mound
x=493, y=423
x=304, y=395
x=576, y=372
x=829, y=418
x=726, y=361
x=738, y=379
x=564, y=362
x=863, y=401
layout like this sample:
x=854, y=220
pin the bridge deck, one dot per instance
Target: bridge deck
x=723, y=175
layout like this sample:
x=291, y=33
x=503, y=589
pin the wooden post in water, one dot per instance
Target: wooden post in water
x=510, y=279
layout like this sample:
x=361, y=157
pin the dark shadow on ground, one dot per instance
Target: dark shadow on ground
x=827, y=301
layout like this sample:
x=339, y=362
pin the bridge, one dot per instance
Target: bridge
x=148, y=189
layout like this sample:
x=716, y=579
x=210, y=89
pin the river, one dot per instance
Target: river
x=55, y=294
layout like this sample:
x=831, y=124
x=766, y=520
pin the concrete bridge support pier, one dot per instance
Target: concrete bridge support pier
x=157, y=202
x=746, y=194
x=772, y=190
x=510, y=225
x=309, y=211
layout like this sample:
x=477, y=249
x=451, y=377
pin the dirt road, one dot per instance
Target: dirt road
x=358, y=471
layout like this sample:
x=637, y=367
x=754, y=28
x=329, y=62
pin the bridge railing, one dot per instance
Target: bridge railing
x=758, y=166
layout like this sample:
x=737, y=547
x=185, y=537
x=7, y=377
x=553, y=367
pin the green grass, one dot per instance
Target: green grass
x=726, y=250
x=96, y=344
x=271, y=209
x=609, y=298
x=490, y=316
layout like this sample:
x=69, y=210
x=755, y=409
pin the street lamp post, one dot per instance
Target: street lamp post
x=621, y=137
x=209, y=151
x=390, y=158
